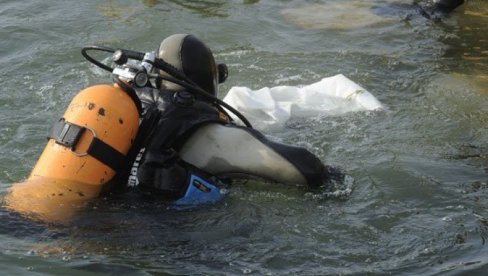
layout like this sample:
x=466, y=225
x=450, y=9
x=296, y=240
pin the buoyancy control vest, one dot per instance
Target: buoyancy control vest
x=157, y=166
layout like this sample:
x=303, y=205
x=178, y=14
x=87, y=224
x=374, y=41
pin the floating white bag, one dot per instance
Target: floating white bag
x=272, y=107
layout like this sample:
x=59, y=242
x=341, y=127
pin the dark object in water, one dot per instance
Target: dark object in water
x=436, y=9
x=446, y=6
x=430, y=9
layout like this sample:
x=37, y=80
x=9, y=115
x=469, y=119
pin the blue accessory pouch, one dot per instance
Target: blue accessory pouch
x=199, y=191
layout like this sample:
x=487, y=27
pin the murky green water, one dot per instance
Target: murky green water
x=419, y=196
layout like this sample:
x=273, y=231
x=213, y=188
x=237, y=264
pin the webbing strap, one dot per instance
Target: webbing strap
x=68, y=134
x=104, y=153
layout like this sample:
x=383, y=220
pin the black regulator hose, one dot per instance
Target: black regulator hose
x=187, y=83
x=178, y=77
x=84, y=52
x=208, y=97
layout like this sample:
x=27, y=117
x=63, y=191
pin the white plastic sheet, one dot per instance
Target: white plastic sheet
x=272, y=107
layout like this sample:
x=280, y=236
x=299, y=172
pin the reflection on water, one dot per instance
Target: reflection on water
x=208, y=8
x=49, y=200
x=476, y=8
x=467, y=40
x=117, y=11
x=341, y=15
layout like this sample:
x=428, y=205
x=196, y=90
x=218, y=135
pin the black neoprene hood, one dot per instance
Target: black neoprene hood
x=198, y=64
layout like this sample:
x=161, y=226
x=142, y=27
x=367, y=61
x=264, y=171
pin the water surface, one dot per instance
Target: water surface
x=417, y=171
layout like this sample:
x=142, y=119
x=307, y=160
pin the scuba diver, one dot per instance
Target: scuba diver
x=159, y=129
x=191, y=144
x=446, y=6
x=434, y=9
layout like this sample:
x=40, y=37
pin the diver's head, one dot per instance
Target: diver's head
x=192, y=57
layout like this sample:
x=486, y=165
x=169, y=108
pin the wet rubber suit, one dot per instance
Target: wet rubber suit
x=170, y=118
x=188, y=144
x=446, y=6
x=433, y=9
x=175, y=118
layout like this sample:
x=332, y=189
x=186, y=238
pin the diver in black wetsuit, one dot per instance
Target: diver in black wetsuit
x=433, y=9
x=175, y=120
x=446, y=6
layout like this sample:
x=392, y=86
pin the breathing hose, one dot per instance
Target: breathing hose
x=178, y=77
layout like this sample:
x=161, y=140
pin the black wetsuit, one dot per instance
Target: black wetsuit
x=438, y=9
x=168, y=119
x=446, y=6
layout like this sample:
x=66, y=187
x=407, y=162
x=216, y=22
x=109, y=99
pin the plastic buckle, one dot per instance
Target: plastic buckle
x=68, y=134
x=65, y=133
x=80, y=154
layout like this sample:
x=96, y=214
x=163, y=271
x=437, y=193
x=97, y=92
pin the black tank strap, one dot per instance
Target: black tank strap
x=106, y=154
x=65, y=133
x=68, y=134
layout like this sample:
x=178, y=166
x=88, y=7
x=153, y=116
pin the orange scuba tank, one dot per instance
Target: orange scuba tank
x=85, y=149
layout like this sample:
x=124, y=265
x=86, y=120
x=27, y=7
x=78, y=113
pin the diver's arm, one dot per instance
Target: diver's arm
x=226, y=150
